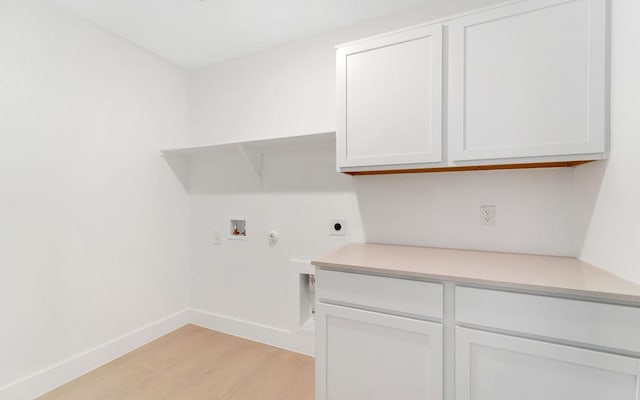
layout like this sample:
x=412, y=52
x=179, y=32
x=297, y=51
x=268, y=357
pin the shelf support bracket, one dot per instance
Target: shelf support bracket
x=254, y=161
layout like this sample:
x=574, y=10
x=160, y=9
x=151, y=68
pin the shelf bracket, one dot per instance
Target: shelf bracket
x=254, y=160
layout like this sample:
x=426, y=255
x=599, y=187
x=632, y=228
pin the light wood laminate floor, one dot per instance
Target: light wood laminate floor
x=194, y=363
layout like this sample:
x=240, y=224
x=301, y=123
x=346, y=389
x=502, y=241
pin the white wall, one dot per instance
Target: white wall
x=613, y=237
x=290, y=90
x=250, y=280
x=534, y=210
x=92, y=221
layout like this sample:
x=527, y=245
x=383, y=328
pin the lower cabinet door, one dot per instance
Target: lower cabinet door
x=363, y=355
x=500, y=367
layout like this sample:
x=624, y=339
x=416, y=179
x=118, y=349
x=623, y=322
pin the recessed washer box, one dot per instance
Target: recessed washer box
x=238, y=228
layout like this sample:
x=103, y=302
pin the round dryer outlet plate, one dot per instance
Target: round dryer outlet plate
x=338, y=227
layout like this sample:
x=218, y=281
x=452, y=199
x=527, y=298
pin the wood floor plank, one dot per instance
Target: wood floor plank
x=195, y=394
x=194, y=363
x=155, y=387
x=198, y=357
x=271, y=380
x=225, y=375
x=302, y=385
x=103, y=383
x=163, y=355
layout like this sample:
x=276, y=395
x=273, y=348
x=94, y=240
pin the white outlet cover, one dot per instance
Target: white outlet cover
x=338, y=227
x=488, y=215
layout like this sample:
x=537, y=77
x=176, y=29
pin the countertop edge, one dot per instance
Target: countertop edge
x=556, y=291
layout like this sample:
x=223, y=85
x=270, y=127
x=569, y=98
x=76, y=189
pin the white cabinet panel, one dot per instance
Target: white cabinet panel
x=424, y=299
x=529, y=80
x=390, y=99
x=499, y=367
x=362, y=355
x=604, y=325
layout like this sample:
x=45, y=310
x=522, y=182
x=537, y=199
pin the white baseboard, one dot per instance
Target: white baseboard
x=56, y=375
x=48, y=379
x=278, y=337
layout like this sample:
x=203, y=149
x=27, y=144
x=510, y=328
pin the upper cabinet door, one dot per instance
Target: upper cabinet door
x=390, y=99
x=529, y=80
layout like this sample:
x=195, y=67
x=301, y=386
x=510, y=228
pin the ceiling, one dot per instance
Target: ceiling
x=194, y=33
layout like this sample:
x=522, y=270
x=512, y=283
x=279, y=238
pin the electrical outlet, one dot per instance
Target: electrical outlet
x=338, y=227
x=488, y=215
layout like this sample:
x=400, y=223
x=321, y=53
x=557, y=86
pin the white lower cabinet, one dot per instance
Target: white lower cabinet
x=373, y=343
x=364, y=355
x=493, y=366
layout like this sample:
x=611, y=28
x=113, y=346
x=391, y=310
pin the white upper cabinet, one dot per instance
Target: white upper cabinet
x=529, y=80
x=526, y=84
x=390, y=99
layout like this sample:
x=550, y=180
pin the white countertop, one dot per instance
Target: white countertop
x=561, y=275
